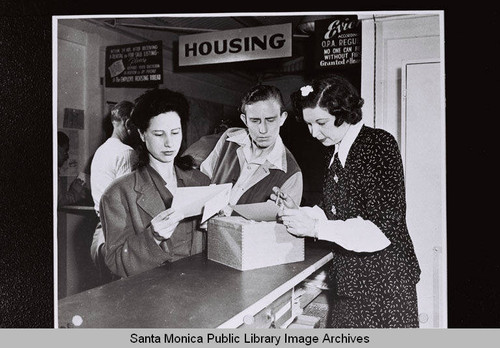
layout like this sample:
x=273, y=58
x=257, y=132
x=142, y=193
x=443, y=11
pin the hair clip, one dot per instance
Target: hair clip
x=306, y=90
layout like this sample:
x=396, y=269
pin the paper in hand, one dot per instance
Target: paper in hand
x=217, y=202
x=198, y=200
x=265, y=211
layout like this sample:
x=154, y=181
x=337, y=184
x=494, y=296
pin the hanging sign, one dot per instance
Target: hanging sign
x=272, y=41
x=337, y=42
x=134, y=65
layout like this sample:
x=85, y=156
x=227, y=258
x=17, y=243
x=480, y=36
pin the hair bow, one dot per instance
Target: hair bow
x=306, y=90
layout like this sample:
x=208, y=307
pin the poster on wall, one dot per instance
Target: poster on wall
x=337, y=43
x=73, y=118
x=137, y=65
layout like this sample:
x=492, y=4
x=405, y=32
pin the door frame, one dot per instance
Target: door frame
x=442, y=276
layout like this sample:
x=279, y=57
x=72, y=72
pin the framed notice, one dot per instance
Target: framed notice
x=337, y=43
x=134, y=65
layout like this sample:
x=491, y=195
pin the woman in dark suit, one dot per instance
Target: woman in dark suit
x=141, y=229
x=374, y=270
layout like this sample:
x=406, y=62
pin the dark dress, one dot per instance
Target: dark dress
x=372, y=289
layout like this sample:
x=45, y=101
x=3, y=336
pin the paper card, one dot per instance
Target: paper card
x=192, y=201
x=216, y=203
x=265, y=211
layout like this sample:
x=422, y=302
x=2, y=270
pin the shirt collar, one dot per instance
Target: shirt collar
x=345, y=144
x=276, y=157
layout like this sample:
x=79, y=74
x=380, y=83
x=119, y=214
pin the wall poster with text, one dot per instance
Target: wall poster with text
x=134, y=65
x=337, y=46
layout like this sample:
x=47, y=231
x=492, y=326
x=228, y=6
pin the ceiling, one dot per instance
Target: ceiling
x=204, y=23
x=170, y=27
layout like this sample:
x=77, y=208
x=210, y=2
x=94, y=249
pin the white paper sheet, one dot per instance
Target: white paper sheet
x=265, y=211
x=216, y=203
x=198, y=200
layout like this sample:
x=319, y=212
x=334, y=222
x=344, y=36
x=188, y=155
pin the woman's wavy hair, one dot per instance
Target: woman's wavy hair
x=158, y=101
x=332, y=93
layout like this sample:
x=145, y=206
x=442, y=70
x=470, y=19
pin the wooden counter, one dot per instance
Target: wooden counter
x=191, y=293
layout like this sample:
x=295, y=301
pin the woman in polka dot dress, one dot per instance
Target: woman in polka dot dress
x=374, y=270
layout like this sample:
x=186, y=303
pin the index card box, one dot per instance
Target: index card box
x=244, y=244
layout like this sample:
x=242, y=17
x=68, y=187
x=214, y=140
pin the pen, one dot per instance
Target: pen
x=279, y=200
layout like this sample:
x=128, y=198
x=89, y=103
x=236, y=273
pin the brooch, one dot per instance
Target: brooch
x=334, y=211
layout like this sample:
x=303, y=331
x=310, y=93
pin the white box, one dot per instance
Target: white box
x=244, y=244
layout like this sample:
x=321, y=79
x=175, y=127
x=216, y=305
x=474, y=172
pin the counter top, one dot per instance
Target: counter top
x=76, y=208
x=190, y=293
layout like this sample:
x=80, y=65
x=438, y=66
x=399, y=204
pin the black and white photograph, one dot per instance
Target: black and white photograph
x=250, y=170
x=204, y=174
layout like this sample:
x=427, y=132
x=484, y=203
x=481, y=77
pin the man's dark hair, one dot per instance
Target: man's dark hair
x=62, y=139
x=261, y=93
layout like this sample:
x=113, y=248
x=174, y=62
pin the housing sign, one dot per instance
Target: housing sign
x=272, y=41
x=337, y=42
x=134, y=65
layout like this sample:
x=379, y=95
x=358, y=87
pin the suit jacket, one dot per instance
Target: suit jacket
x=127, y=208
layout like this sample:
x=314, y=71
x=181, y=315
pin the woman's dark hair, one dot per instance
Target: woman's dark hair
x=158, y=101
x=260, y=93
x=333, y=93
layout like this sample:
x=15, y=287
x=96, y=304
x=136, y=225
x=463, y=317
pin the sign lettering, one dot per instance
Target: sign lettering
x=134, y=65
x=273, y=41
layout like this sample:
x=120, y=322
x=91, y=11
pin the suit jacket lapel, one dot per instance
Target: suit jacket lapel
x=148, y=197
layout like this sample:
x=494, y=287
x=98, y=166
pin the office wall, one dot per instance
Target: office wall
x=80, y=67
x=222, y=91
x=399, y=39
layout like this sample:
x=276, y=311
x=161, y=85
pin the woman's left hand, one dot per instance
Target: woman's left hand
x=297, y=222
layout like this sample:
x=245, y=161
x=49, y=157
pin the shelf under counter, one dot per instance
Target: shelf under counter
x=190, y=293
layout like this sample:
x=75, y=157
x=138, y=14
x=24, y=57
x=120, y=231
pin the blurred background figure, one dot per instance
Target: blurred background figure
x=114, y=158
x=77, y=192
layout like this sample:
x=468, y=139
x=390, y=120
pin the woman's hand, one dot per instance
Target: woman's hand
x=282, y=199
x=165, y=223
x=297, y=222
x=226, y=211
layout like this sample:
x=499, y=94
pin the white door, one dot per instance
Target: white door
x=423, y=151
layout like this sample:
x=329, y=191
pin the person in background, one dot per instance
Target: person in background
x=141, y=229
x=201, y=148
x=114, y=158
x=77, y=192
x=254, y=159
x=374, y=270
